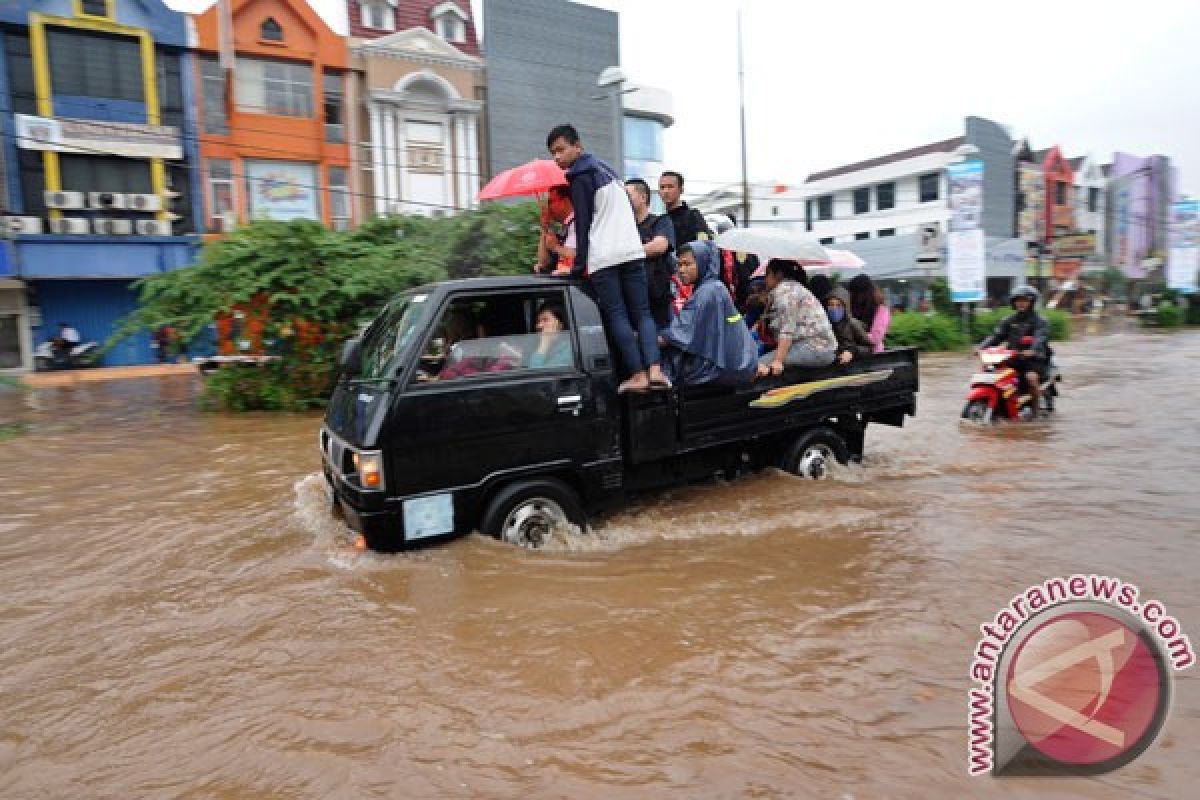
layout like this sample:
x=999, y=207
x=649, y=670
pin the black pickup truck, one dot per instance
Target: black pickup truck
x=453, y=413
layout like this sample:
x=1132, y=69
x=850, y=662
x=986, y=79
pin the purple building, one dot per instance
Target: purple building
x=1140, y=194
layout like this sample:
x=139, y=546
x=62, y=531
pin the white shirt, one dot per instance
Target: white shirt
x=70, y=335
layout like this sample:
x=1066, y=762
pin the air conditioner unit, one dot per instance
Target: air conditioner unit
x=113, y=227
x=144, y=202
x=106, y=200
x=69, y=225
x=64, y=199
x=14, y=226
x=153, y=227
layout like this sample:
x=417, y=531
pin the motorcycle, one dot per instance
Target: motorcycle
x=999, y=391
x=47, y=356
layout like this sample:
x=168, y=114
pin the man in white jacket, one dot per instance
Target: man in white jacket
x=609, y=253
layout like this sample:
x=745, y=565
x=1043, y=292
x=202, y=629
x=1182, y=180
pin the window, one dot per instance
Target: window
x=886, y=232
x=862, y=201
x=927, y=187
x=1060, y=193
x=486, y=336
x=221, y=197
x=825, y=207
x=283, y=88
x=170, y=88
x=93, y=173
x=215, y=120
x=826, y=240
x=92, y=64
x=1093, y=199
x=643, y=139
x=451, y=28
x=377, y=14
x=885, y=196
x=863, y=235
x=339, y=199
x=335, y=127
x=774, y=211
x=270, y=31
x=95, y=8
x=808, y=215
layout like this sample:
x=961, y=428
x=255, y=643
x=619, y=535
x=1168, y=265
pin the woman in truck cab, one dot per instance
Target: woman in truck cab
x=707, y=343
x=796, y=321
x=554, y=342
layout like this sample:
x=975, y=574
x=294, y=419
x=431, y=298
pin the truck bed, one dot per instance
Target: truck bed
x=880, y=388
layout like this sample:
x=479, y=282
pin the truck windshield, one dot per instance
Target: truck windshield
x=387, y=337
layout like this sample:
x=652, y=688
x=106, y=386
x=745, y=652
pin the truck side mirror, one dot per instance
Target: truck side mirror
x=350, y=361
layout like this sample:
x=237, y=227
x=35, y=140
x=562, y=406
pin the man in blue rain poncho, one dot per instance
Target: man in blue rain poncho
x=708, y=342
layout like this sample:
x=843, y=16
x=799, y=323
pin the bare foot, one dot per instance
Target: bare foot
x=763, y=371
x=638, y=382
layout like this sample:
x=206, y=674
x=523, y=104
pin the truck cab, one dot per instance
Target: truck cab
x=454, y=413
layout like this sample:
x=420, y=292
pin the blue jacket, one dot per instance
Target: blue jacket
x=605, y=229
x=708, y=342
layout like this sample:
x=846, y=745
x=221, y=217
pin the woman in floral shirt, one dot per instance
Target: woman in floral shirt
x=796, y=321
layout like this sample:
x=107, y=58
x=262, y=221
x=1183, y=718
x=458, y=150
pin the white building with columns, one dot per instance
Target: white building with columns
x=421, y=117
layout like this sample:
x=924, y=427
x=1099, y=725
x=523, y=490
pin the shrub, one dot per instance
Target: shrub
x=1169, y=315
x=929, y=332
x=1192, y=317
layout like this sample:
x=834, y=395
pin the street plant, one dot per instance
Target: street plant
x=296, y=290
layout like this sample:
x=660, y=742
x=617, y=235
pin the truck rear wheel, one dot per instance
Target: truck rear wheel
x=526, y=513
x=814, y=453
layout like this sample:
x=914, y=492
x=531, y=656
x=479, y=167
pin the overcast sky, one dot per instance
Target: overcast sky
x=830, y=83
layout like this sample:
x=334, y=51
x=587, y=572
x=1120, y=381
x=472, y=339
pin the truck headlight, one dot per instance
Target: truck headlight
x=369, y=467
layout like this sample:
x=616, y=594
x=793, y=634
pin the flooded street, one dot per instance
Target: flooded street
x=183, y=618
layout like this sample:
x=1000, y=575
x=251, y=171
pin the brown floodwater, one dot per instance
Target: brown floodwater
x=183, y=619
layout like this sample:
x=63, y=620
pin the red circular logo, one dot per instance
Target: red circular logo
x=1085, y=688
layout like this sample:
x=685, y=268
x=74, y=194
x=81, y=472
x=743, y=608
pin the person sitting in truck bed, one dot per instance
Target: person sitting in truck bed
x=795, y=321
x=852, y=338
x=707, y=342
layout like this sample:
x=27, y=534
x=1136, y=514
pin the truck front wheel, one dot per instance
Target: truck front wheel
x=814, y=453
x=526, y=513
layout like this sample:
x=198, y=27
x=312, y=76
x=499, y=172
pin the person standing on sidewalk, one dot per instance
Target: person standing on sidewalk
x=609, y=253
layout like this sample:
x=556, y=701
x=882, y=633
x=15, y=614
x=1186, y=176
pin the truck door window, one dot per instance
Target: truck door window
x=486, y=335
x=386, y=339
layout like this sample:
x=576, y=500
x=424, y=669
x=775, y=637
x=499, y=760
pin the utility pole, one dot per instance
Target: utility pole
x=742, y=112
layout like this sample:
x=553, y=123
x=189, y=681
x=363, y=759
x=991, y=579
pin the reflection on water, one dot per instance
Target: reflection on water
x=184, y=618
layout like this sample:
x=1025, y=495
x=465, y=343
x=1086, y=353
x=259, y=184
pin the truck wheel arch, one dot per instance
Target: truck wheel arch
x=808, y=455
x=517, y=512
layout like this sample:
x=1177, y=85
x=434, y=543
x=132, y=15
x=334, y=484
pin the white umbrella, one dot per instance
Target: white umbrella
x=768, y=243
x=843, y=259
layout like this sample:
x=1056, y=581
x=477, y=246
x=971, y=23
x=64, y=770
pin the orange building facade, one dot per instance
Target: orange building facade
x=273, y=116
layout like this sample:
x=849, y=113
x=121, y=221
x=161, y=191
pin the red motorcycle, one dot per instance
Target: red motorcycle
x=1000, y=391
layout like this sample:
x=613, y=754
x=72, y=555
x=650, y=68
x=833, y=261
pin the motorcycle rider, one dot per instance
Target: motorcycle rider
x=1028, y=333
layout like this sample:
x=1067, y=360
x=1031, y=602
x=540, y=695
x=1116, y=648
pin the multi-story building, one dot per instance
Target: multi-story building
x=893, y=210
x=546, y=61
x=277, y=148
x=99, y=181
x=417, y=69
x=648, y=113
x=1140, y=193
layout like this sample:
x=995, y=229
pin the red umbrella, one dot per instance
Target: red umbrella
x=532, y=178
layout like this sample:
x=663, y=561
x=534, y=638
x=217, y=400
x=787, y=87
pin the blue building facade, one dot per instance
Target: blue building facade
x=99, y=179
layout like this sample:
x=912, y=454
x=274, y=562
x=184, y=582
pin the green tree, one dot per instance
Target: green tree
x=302, y=274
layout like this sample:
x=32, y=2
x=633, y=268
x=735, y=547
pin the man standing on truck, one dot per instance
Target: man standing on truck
x=658, y=239
x=609, y=253
x=690, y=224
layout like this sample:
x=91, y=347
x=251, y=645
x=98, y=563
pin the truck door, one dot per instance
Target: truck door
x=500, y=387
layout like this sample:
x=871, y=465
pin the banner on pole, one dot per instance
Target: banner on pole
x=1183, y=258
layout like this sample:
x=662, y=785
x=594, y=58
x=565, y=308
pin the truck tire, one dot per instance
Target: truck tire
x=525, y=513
x=813, y=452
